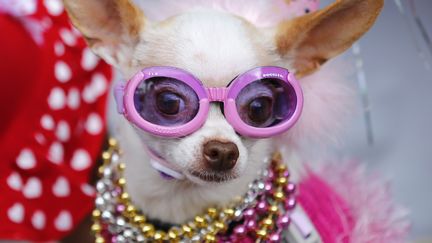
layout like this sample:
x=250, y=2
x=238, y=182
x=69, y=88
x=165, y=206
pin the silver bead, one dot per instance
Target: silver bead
x=115, y=158
x=128, y=233
x=107, y=216
x=196, y=238
x=140, y=238
x=99, y=201
x=120, y=222
x=120, y=239
x=100, y=186
x=107, y=196
x=107, y=173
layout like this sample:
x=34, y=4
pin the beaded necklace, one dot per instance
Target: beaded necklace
x=261, y=215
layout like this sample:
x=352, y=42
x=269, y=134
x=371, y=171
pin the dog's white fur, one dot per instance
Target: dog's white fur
x=215, y=46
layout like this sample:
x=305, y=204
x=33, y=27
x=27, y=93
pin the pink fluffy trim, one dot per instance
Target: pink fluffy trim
x=376, y=217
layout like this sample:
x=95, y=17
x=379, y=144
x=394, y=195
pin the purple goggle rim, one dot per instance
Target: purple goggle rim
x=124, y=95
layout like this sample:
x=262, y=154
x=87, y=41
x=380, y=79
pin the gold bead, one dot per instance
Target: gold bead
x=281, y=168
x=124, y=197
x=96, y=228
x=173, y=234
x=148, y=230
x=96, y=214
x=99, y=239
x=209, y=238
x=187, y=230
x=273, y=209
x=267, y=222
x=121, y=166
x=212, y=212
x=220, y=226
x=159, y=236
x=279, y=196
x=200, y=222
x=139, y=219
x=281, y=181
x=121, y=181
x=228, y=212
x=112, y=142
x=262, y=233
x=106, y=155
x=101, y=170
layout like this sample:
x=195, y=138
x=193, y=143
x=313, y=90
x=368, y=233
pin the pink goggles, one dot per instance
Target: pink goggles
x=170, y=102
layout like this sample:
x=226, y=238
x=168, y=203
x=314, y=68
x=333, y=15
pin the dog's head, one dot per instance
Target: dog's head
x=216, y=47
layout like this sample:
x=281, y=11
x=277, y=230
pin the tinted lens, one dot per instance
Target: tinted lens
x=166, y=101
x=266, y=102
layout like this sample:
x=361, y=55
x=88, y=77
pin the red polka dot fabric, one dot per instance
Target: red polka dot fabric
x=55, y=125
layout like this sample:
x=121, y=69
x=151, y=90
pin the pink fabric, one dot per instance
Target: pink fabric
x=347, y=205
x=329, y=213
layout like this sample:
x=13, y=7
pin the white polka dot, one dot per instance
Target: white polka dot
x=80, y=160
x=57, y=99
x=88, y=190
x=73, y=98
x=99, y=84
x=33, y=188
x=68, y=37
x=89, y=60
x=94, y=124
x=61, y=187
x=56, y=152
x=40, y=138
x=63, y=131
x=54, y=7
x=62, y=72
x=89, y=95
x=38, y=220
x=14, y=181
x=63, y=222
x=47, y=122
x=26, y=159
x=59, y=49
x=16, y=213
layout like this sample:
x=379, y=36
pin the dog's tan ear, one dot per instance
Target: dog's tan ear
x=314, y=38
x=111, y=27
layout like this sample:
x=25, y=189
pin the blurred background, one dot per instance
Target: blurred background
x=393, y=133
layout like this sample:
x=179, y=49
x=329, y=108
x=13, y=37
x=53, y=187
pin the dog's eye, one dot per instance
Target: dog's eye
x=168, y=103
x=260, y=109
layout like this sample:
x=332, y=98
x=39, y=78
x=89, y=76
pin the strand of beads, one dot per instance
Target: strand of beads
x=264, y=210
x=271, y=214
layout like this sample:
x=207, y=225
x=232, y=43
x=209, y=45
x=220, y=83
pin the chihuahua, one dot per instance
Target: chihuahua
x=216, y=160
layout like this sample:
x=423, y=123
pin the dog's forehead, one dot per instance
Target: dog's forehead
x=213, y=46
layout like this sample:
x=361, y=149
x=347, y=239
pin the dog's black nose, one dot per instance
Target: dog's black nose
x=220, y=156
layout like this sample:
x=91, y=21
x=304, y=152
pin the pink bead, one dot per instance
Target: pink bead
x=268, y=187
x=283, y=221
x=114, y=239
x=249, y=214
x=286, y=174
x=290, y=188
x=271, y=175
x=120, y=208
x=261, y=207
x=240, y=231
x=275, y=237
x=251, y=225
x=290, y=203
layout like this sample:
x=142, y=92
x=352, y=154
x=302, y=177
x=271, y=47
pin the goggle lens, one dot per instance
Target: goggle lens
x=166, y=101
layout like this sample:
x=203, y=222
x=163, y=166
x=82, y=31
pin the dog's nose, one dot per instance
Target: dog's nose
x=220, y=156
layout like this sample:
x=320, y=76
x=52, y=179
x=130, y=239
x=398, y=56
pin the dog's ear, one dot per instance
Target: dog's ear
x=314, y=38
x=110, y=27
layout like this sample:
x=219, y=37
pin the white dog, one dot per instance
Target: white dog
x=216, y=45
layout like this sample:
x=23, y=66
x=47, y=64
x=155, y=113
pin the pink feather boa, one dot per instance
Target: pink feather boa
x=347, y=205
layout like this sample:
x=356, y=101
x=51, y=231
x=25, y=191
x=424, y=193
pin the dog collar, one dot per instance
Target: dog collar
x=166, y=169
x=261, y=215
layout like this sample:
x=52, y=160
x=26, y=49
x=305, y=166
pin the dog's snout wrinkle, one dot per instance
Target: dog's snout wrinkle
x=220, y=156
